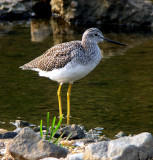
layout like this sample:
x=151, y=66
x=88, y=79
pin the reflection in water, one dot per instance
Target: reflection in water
x=61, y=31
x=40, y=29
x=117, y=95
x=5, y=28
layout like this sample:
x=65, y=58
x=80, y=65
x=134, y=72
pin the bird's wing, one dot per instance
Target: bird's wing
x=55, y=57
x=57, y=60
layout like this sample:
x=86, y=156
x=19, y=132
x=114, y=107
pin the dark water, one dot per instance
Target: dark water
x=117, y=95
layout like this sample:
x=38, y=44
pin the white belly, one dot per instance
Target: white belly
x=68, y=73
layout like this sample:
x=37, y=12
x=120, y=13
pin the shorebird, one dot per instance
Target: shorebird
x=70, y=61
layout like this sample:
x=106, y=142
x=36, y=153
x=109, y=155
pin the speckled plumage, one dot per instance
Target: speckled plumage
x=69, y=61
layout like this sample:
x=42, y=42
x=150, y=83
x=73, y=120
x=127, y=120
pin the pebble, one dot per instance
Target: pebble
x=2, y=122
x=120, y=134
x=74, y=4
x=77, y=156
x=99, y=128
x=2, y=131
x=37, y=129
x=78, y=143
x=67, y=143
x=8, y=135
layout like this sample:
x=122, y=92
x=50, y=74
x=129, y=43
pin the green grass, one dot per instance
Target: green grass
x=53, y=130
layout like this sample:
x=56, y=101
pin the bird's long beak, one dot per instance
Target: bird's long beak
x=111, y=41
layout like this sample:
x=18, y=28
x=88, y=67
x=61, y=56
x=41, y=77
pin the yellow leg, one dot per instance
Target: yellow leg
x=59, y=99
x=68, y=103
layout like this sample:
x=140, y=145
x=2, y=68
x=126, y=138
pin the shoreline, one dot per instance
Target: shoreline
x=80, y=145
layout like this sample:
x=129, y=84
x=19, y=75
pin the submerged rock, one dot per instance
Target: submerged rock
x=125, y=148
x=28, y=145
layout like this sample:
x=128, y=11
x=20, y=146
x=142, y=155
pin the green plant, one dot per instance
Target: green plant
x=53, y=129
x=68, y=136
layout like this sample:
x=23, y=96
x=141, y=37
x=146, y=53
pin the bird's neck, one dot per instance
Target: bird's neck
x=88, y=45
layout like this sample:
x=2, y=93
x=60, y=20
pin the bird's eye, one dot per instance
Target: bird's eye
x=95, y=34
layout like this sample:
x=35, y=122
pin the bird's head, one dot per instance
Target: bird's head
x=94, y=35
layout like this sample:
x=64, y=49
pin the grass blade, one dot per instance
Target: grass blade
x=41, y=132
x=68, y=136
x=47, y=125
x=58, y=125
x=52, y=128
x=58, y=139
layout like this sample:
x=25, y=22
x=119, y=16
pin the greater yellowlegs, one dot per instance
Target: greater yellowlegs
x=70, y=61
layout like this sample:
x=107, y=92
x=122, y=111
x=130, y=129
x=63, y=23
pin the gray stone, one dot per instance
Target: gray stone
x=15, y=9
x=1, y=136
x=51, y=158
x=28, y=145
x=77, y=156
x=2, y=131
x=75, y=131
x=20, y=123
x=120, y=134
x=42, y=8
x=74, y=4
x=127, y=12
x=139, y=147
x=9, y=135
x=23, y=9
x=37, y=129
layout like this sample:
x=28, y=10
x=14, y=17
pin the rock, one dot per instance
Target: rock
x=1, y=136
x=37, y=129
x=57, y=135
x=4, y=143
x=28, y=145
x=15, y=9
x=2, y=131
x=81, y=12
x=18, y=130
x=77, y=156
x=120, y=134
x=74, y=4
x=75, y=131
x=21, y=9
x=9, y=135
x=99, y=128
x=42, y=8
x=21, y=123
x=125, y=148
x=0, y=121
x=67, y=143
x=51, y=158
x=92, y=133
x=86, y=140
